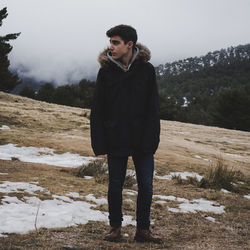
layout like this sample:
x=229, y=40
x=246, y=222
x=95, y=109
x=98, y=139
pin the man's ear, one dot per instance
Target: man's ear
x=130, y=44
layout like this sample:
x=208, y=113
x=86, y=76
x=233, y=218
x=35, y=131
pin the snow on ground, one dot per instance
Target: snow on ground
x=212, y=219
x=27, y=213
x=199, y=157
x=128, y=200
x=233, y=155
x=43, y=155
x=225, y=191
x=88, y=177
x=18, y=187
x=131, y=172
x=130, y=192
x=74, y=195
x=4, y=127
x=24, y=214
x=192, y=206
x=3, y=173
x=182, y=175
x=100, y=201
x=247, y=196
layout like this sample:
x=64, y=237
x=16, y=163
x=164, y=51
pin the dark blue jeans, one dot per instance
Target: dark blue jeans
x=144, y=167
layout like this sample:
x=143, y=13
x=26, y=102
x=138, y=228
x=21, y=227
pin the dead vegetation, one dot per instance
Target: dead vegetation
x=183, y=147
x=219, y=177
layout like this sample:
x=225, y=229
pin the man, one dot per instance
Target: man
x=125, y=122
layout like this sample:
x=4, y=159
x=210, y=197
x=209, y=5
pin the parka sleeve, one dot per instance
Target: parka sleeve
x=97, y=117
x=152, y=128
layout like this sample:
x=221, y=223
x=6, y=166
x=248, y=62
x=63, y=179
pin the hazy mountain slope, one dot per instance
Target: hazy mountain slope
x=191, y=64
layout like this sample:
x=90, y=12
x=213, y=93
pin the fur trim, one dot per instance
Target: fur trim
x=143, y=55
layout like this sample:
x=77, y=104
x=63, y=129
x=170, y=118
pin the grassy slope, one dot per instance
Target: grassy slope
x=66, y=129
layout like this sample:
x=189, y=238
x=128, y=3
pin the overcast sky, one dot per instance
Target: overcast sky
x=61, y=39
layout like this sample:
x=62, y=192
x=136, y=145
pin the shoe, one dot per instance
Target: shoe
x=143, y=235
x=114, y=234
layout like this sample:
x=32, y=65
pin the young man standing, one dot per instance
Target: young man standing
x=125, y=122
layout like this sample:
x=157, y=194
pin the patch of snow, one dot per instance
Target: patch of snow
x=43, y=155
x=3, y=173
x=128, y=200
x=4, y=127
x=161, y=202
x=173, y=210
x=192, y=206
x=20, y=214
x=88, y=177
x=62, y=198
x=233, y=155
x=130, y=192
x=100, y=201
x=131, y=172
x=225, y=191
x=34, y=182
x=212, y=219
x=8, y=200
x=185, y=102
x=247, y=196
x=19, y=187
x=199, y=157
x=164, y=177
x=74, y=195
x=201, y=205
x=165, y=197
x=183, y=175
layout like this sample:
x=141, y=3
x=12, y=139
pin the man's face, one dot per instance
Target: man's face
x=118, y=48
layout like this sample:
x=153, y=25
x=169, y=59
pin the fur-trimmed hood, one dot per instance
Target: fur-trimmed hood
x=144, y=55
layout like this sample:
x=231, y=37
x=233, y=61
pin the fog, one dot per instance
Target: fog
x=60, y=40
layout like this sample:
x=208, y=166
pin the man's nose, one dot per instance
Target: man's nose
x=111, y=47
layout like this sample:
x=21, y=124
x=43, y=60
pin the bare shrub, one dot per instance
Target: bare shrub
x=190, y=180
x=221, y=177
x=97, y=169
x=92, y=169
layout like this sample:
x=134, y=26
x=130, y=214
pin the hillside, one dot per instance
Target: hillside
x=192, y=64
x=218, y=95
x=184, y=214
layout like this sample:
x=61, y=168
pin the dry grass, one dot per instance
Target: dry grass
x=67, y=129
x=222, y=177
x=219, y=177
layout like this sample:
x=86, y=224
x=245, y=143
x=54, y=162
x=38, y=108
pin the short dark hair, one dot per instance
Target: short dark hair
x=126, y=32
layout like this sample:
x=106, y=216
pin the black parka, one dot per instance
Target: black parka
x=125, y=109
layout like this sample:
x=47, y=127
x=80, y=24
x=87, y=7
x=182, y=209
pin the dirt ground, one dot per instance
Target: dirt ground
x=183, y=147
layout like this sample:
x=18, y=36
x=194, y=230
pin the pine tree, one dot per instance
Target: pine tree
x=27, y=92
x=46, y=93
x=8, y=81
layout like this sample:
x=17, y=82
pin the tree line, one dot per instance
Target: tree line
x=75, y=95
x=215, y=96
